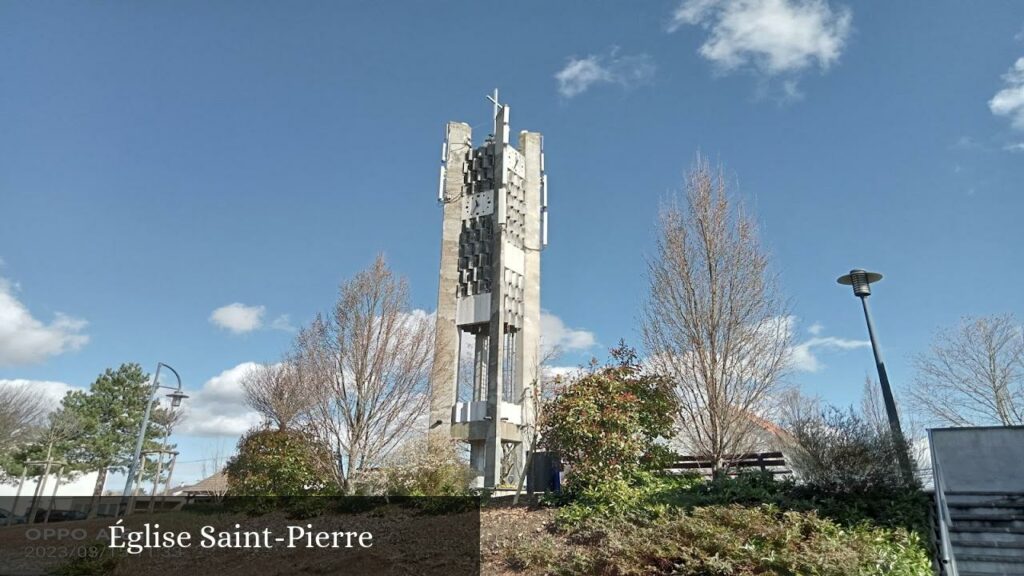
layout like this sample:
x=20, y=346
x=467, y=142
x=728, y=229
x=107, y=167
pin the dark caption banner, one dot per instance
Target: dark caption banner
x=242, y=536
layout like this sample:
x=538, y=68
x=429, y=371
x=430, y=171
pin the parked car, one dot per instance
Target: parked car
x=15, y=518
x=59, y=516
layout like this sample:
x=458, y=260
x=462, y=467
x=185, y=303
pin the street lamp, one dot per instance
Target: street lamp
x=861, y=281
x=176, y=397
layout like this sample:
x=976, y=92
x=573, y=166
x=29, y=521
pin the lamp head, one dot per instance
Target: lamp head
x=176, y=397
x=860, y=280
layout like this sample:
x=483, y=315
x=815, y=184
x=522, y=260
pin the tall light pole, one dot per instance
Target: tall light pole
x=176, y=397
x=861, y=281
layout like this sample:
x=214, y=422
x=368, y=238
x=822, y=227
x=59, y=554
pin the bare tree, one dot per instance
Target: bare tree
x=838, y=449
x=212, y=470
x=367, y=364
x=214, y=461
x=23, y=411
x=973, y=374
x=872, y=407
x=61, y=426
x=714, y=321
x=277, y=393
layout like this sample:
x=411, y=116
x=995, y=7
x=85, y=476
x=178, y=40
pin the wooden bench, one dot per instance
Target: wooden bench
x=773, y=462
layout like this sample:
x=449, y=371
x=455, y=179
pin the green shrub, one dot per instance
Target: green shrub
x=422, y=467
x=606, y=425
x=272, y=463
x=882, y=506
x=533, y=552
x=889, y=507
x=748, y=488
x=842, y=450
x=644, y=496
x=730, y=540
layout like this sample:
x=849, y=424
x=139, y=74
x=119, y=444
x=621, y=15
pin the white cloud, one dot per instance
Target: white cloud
x=52, y=391
x=567, y=373
x=791, y=90
x=218, y=408
x=967, y=143
x=1009, y=101
x=580, y=74
x=554, y=334
x=417, y=315
x=1014, y=147
x=238, y=318
x=26, y=340
x=803, y=355
x=241, y=319
x=772, y=37
x=283, y=323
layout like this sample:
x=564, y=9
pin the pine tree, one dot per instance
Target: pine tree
x=109, y=417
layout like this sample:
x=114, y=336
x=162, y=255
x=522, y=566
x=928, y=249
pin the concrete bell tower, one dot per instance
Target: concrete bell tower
x=486, y=356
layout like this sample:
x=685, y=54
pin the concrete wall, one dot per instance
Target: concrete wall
x=979, y=459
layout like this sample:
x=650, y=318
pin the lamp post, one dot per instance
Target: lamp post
x=176, y=397
x=861, y=281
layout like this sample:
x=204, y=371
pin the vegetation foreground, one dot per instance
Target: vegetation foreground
x=749, y=525
x=620, y=514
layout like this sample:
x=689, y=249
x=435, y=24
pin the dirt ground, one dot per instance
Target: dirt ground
x=501, y=525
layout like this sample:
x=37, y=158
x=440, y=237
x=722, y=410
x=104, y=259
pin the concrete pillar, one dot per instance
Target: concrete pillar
x=528, y=353
x=444, y=374
x=480, y=367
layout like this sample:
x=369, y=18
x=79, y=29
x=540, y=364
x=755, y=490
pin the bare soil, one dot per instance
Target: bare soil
x=501, y=525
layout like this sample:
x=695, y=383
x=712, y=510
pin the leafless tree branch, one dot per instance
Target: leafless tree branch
x=278, y=394
x=713, y=321
x=23, y=411
x=367, y=365
x=973, y=374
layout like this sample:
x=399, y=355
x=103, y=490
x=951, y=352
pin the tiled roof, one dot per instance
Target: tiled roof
x=218, y=483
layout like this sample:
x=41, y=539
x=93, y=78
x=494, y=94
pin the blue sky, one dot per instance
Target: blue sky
x=162, y=160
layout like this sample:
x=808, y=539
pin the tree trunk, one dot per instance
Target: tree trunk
x=97, y=491
x=343, y=475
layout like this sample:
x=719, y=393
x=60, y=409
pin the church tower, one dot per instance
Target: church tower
x=486, y=357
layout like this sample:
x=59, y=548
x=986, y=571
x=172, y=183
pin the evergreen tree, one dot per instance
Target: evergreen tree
x=109, y=416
